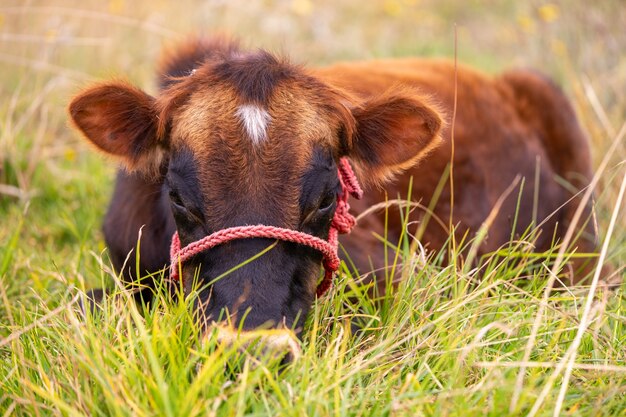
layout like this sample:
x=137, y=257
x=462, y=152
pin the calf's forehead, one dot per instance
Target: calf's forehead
x=250, y=153
x=286, y=126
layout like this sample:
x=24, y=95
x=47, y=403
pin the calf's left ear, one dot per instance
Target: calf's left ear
x=122, y=121
x=393, y=131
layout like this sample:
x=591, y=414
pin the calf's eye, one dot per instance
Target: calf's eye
x=327, y=203
x=181, y=209
x=176, y=200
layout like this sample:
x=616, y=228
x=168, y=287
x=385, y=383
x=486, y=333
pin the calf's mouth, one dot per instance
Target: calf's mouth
x=262, y=344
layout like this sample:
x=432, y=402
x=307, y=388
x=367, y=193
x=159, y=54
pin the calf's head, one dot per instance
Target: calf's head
x=250, y=139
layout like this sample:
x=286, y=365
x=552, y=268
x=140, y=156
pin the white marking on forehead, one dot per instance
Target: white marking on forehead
x=255, y=121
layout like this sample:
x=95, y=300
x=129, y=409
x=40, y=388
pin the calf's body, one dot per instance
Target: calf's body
x=237, y=137
x=518, y=124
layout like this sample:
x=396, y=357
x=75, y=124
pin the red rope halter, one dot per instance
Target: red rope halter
x=342, y=222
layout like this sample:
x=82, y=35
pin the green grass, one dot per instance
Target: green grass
x=448, y=341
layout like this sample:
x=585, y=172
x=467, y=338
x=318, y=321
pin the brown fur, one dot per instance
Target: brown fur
x=392, y=118
x=503, y=125
x=180, y=60
x=120, y=120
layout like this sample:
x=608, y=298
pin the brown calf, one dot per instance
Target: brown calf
x=244, y=138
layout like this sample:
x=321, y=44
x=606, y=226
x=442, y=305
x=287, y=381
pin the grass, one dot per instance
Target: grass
x=448, y=341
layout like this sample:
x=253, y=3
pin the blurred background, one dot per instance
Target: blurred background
x=54, y=189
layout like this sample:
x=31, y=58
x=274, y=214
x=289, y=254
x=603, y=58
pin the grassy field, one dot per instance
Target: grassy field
x=449, y=342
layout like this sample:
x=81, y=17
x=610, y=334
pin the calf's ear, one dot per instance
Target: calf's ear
x=122, y=121
x=393, y=132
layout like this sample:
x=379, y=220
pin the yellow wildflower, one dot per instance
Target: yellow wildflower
x=549, y=12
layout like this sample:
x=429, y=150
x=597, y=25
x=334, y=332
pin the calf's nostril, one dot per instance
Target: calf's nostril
x=269, y=344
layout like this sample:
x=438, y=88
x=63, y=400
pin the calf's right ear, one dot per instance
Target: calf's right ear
x=122, y=121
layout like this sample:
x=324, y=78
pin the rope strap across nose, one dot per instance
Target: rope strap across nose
x=342, y=222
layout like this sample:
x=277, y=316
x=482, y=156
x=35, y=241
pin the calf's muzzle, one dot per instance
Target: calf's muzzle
x=280, y=344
